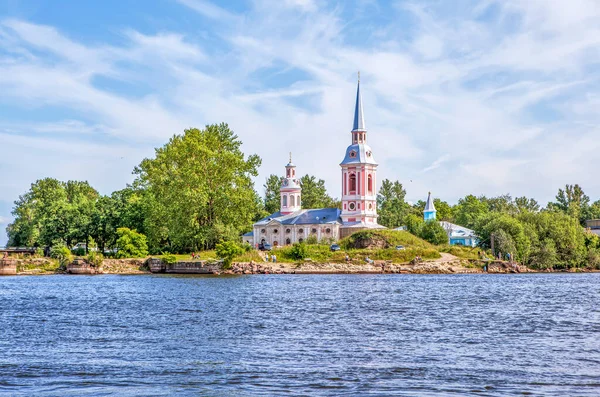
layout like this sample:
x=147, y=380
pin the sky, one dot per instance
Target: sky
x=484, y=97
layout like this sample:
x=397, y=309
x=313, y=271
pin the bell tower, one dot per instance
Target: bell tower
x=290, y=190
x=359, y=174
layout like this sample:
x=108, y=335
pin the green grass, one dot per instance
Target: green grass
x=200, y=255
x=51, y=267
x=461, y=251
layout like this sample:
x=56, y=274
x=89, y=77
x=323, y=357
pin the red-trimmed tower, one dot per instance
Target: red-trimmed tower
x=359, y=175
x=290, y=190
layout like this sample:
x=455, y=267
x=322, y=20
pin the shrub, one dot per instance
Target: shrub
x=312, y=240
x=95, y=258
x=169, y=259
x=228, y=250
x=298, y=251
x=79, y=251
x=131, y=244
x=63, y=254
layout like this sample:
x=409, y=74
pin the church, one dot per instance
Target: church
x=292, y=224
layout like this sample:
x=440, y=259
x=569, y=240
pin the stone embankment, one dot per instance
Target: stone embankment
x=192, y=267
x=8, y=267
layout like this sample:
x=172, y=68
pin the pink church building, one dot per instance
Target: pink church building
x=292, y=223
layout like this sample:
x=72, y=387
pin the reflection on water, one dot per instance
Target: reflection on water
x=489, y=335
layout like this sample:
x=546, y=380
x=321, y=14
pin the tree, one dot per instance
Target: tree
x=433, y=232
x=314, y=193
x=199, y=189
x=414, y=223
x=503, y=204
x=392, y=209
x=468, y=210
x=573, y=202
x=443, y=210
x=272, y=193
x=525, y=204
x=131, y=244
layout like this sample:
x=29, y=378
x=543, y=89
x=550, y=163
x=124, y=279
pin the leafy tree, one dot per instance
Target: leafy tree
x=433, y=232
x=299, y=251
x=227, y=250
x=272, y=193
x=525, y=204
x=468, y=210
x=392, y=209
x=573, y=202
x=200, y=189
x=444, y=211
x=509, y=234
x=131, y=244
x=314, y=193
x=414, y=224
x=503, y=204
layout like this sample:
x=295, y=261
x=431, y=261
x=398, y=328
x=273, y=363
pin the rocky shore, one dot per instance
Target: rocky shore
x=445, y=265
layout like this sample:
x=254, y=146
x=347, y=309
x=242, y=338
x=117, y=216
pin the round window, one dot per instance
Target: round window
x=263, y=231
x=301, y=231
x=275, y=231
x=353, y=154
x=352, y=206
x=288, y=231
x=314, y=230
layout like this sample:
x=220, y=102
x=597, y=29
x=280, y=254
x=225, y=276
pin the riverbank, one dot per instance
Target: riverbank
x=447, y=264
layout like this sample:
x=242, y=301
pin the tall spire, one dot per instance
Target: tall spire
x=359, y=118
x=429, y=211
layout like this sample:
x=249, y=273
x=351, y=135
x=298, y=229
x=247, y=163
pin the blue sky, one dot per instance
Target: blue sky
x=484, y=97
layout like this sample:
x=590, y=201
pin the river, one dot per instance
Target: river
x=300, y=335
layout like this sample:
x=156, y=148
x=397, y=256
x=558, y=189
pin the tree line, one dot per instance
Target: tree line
x=195, y=192
x=198, y=191
x=547, y=237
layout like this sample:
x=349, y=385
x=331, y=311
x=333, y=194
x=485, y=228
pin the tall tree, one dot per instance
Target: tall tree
x=314, y=193
x=201, y=190
x=272, y=186
x=573, y=202
x=468, y=210
x=392, y=209
x=525, y=204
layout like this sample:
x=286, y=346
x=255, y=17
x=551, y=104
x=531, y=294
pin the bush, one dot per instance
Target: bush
x=312, y=240
x=39, y=252
x=63, y=254
x=433, y=232
x=95, y=259
x=131, y=244
x=228, y=250
x=298, y=251
x=169, y=259
x=78, y=251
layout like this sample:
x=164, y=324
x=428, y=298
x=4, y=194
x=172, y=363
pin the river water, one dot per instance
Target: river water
x=300, y=335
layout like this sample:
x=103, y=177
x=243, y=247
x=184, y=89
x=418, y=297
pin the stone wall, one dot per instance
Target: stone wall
x=192, y=267
x=8, y=267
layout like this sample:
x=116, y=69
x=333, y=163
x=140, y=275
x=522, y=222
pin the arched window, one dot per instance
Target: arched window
x=292, y=200
x=300, y=240
x=285, y=201
x=370, y=183
x=275, y=243
x=288, y=241
x=328, y=230
x=352, y=183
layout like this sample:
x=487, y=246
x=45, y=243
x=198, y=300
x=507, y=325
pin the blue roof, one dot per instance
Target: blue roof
x=249, y=234
x=305, y=217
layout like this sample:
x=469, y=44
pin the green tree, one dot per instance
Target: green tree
x=414, y=223
x=227, y=250
x=525, y=204
x=433, y=232
x=392, y=209
x=272, y=193
x=314, y=193
x=469, y=210
x=573, y=202
x=131, y=244
x=199, y=188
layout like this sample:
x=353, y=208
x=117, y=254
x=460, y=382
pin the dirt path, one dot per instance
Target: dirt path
x=446, y=257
